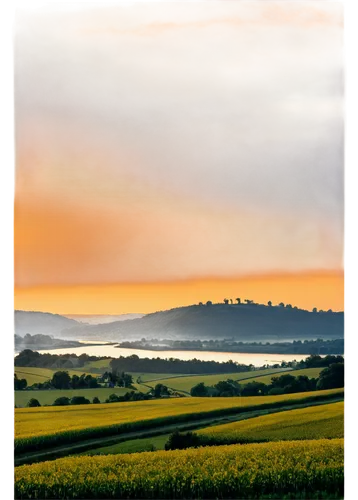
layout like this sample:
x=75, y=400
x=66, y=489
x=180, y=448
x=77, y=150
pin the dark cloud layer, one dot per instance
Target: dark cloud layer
x=225, y=103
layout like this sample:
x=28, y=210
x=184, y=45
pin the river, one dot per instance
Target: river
x=256, y=359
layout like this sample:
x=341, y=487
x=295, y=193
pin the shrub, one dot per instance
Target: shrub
x=62, y=401
x=33, y=403
x=79, y=400
x=180, y=440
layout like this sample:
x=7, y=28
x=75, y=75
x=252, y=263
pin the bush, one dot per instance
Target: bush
x=96, y=401
x=33, y=403
x=180, y=440
x=199, y=390
x=331, y=377
x=79, y=400
x=113, y=398
x=276, y=391
x=63, y=401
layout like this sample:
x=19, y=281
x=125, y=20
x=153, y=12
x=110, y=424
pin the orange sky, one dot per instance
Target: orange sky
x=149, y=161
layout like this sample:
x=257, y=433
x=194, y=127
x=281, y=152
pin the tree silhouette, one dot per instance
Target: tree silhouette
x=269, y=303
x=314, y=310
x=238, y=300
x=226, y=301
x=281, y=304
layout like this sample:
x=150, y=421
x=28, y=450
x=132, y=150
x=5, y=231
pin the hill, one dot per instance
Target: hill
x=97, y=319
x=35, y=322
x=242, y=322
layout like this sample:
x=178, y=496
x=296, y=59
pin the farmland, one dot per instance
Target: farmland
x=185, y=383
x=300, y=469
x=132, y=446
x=316, y=422
x=47, y=397
x=35, y=375
x=36, y=428
x=308, y=372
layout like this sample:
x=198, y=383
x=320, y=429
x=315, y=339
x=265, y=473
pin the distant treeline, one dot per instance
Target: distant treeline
x=318, y=346
x=157, y=365
x=331, y=377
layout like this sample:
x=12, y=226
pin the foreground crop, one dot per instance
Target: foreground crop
x=315, y=422
x=307, y=469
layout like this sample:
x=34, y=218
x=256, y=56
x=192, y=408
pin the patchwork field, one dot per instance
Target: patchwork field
x=316, y=422
x=298, y=469
x=132, y=446
x=48, y=397
x=308, y=372
x=35, y=375
x=185, y=383
x=36, y=428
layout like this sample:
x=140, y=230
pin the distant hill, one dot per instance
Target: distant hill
x=98, y=319
x=41, y=341
x=240, y=322
x=35, y=322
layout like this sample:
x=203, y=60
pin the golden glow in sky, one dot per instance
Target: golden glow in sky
x=159, y=145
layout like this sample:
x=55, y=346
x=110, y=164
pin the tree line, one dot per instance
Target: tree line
x=158, y=365
x=331, y=377
x=159, y=391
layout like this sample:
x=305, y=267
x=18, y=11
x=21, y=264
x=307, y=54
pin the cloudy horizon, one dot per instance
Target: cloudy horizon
x=165, y=142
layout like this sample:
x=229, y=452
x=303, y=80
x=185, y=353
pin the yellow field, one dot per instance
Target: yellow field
x=309, y=372
x=31, y=422
x=299, y=469
x=35, y=375
x=315, y=422
x=185, y=383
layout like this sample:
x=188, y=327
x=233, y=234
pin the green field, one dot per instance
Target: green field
x=48, y=397
x=185, y=383
x=315, y=422
x=308, y=372
x=101, y=364
x=35, y=375
x=151, y=377
x=298, y=469
x=132, y=446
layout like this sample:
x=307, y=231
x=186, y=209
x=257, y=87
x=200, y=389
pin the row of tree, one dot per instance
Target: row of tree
x=269, y=304
x=159, y=391
x=158, y=365
x=331, y=377
x=62, y=380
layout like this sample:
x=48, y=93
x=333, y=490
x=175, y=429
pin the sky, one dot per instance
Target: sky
x=170, y=153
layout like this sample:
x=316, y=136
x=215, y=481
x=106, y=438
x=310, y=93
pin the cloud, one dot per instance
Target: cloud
x=229, y=103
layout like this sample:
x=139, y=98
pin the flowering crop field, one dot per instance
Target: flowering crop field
x=36, y=428
x=315, y=422
x=294, y=469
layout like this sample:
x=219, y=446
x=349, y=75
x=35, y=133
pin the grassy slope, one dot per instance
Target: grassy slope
x=309, y=372
x=316, y=422
x=31, y=422
x=299, y=469
x=48, y=397
x=132, y=446
x=35, y=375
x=185, y=383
